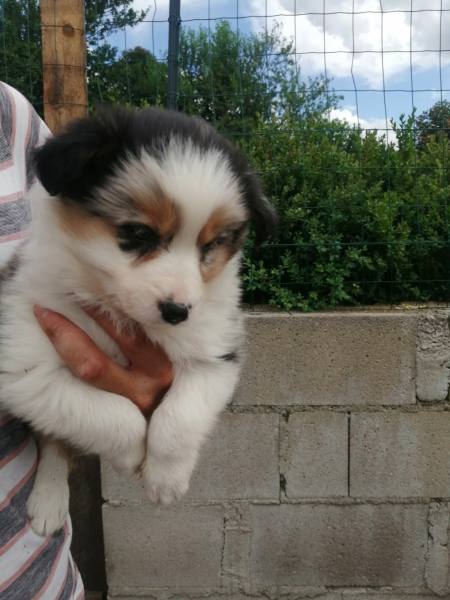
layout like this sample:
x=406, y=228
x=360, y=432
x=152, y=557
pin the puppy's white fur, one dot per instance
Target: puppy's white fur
x=54, y=272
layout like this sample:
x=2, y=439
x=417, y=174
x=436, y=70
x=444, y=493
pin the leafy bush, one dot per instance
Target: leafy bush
x=362, y=221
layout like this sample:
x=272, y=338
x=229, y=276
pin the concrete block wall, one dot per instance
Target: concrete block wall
x=328, y=477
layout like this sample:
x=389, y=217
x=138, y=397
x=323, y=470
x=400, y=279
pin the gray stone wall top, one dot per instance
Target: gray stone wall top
x=329, y=359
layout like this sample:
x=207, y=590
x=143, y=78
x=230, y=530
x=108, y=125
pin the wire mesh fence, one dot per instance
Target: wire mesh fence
x=343, y=106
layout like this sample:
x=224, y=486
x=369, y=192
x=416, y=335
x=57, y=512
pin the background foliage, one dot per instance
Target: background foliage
x=362, y=221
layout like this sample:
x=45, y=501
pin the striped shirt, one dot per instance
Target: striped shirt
x=31, y=566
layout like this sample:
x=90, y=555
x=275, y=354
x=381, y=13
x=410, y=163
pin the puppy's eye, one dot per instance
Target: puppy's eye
x=212, y=245
x=138, y=237
x=231, y=238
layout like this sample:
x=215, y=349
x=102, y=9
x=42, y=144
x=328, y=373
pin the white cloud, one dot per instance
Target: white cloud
x=326, y=42
x=349, y=115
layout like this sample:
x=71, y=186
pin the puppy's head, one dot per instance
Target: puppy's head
x=154, y=205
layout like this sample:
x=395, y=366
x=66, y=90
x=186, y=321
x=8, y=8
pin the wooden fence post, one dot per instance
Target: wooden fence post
x=64, y=61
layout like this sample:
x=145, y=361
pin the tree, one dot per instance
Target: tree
x=233, y=80
x=434, y=122
x=136, y=77
x=103, y=17
x=20, y=47
x=228, y=79
x=20, y=38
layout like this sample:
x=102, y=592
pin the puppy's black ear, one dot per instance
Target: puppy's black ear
x=263, y=215
x=80, y=158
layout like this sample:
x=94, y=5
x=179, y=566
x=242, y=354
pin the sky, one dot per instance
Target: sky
x=396, y=53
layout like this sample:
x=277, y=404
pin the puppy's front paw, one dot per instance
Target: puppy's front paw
x=129, y=462
x=48, y=506
x=165, y=482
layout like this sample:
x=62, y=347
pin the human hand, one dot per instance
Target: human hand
x=144, y=381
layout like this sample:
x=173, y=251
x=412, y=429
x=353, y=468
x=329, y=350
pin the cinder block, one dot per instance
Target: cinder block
x=438, y=557
x=306, y=594
x=400, y=455
x=329, y=359
x=351, y=545
x=315, y=454
x=236, y=548
x=148, y=547
x=240, y=460
x=352, y=595
x=433, y=357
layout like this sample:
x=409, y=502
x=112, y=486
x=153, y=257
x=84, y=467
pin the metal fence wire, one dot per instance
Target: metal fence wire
x=343, y=107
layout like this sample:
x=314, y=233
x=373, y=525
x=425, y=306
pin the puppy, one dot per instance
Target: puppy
x=144, y=218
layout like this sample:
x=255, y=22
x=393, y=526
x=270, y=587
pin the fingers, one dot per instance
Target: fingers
x=90, y=364
x=136, y=347
x=80, y=353
x=73, y=345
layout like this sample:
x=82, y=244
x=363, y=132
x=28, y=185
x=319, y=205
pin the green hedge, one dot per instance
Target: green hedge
x=362, y=221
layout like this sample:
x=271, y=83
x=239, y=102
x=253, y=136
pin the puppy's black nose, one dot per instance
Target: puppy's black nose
x=173, y=313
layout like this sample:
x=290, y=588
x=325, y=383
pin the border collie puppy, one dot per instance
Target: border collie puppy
x=144, y=218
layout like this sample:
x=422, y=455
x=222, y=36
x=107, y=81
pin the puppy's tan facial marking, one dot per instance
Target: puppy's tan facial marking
x=159, y=212
x=218, y=241
x=219, y=221
x=80, y=224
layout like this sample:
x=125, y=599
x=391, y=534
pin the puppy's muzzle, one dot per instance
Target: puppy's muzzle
x=173, y=313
